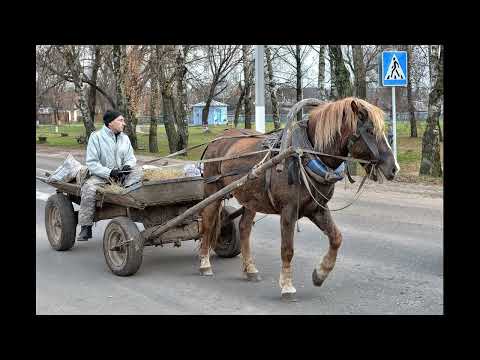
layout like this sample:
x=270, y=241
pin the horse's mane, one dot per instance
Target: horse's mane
x=329, y=118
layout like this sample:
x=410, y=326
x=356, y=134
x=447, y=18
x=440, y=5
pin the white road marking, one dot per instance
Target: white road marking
x=43, y=171
x=43, y=196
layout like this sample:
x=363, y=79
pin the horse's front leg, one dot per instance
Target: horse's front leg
x=248, y=266
x=323, y=219
x=288, y=218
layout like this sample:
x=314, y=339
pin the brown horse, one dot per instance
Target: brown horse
x=337, y=128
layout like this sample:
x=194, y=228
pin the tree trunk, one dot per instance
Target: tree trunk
x=247, y=100
x=333, y=82
x=298, y=63
x=360, y=73
x=321, y=73
x=440, y=135
x=119, y=59
x=272, y=89
x=342, y=84
x=206, y=110
x=431, y=163
x=55, y=116
x=181, y=106
x=239, y=105
x=152, y=136
x=92, y=91
x=171, y=128
x=411, y=107
x=73, y=63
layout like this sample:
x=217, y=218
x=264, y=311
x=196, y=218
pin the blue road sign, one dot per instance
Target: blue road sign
x=394, y=68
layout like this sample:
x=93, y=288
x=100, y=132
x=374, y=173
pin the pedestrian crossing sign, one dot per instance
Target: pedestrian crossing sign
x=394, y=68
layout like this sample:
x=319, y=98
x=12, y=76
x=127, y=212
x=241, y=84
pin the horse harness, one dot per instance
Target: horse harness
x=307, y=162
x=310, y=163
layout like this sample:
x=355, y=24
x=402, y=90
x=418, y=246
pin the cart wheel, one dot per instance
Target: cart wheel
x=228, y=244
x=60, y=222
x=123, y=236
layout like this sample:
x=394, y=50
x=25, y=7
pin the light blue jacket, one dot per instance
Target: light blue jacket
x=105, y=153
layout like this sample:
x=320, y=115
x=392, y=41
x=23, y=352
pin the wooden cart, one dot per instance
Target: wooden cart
x=151, y=203
x=168, y=209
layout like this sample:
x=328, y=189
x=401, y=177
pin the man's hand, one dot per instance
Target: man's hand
x=115, y=174
x=126, y=168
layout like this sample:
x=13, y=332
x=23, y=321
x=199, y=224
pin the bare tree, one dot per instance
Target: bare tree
x=340, y=78
x=152, y=137
x=360, y=72
x=54, y=60
x=241, y=91
x=431, y=163
x=294, y=56
x=221, y=60
x=47, y=86
x=181, y=98
x=166, y=77
x=411, y=106
x=321, y=73
x=71, y=54
x=120, y=70
x=92, y=92
x=271, y=86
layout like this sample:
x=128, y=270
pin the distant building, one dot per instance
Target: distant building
x=217, y=113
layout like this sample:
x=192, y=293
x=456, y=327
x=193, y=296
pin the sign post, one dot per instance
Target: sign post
x=394, y=73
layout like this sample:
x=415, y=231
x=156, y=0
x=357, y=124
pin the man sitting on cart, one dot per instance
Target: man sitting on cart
x=109, y=157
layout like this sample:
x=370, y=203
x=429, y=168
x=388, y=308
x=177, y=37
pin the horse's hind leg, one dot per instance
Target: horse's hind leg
x=287, y=220
x=248, y=266
x=323, y=219
x=210, y=230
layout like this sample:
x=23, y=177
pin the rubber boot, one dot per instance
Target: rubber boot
x=85, y=233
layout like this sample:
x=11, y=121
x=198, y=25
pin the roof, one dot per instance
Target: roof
x=213, y=103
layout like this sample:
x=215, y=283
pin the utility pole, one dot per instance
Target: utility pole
x=259, y=89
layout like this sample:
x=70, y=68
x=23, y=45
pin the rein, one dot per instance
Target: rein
x=306, y=178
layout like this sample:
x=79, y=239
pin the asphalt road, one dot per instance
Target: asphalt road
x=390, y=262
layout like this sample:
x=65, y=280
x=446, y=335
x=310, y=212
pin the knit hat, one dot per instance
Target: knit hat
x=110, y=115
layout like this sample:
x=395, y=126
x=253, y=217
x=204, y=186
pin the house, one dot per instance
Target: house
x=217, y=113
x=48, y=115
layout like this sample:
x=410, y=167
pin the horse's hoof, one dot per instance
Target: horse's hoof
x=206, y=271
x=317, y=281
x=255, y=277
x=292, y=297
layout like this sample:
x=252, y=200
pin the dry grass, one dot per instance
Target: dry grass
x=163, y=173
x=113, y=188
x=410, y=154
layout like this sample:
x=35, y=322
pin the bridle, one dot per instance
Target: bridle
x=365, y=131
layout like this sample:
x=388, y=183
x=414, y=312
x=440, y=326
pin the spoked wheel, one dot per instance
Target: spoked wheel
x=60, y=222
x=123, y=246
x=228, y=244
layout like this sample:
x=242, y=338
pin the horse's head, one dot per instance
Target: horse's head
x=368, y=142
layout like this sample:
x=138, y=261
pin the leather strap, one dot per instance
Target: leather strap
x=349, y=176
x=268, y=182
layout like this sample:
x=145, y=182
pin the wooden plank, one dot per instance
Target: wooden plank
x=150, y=193
x=189, y=231
x=169, y=191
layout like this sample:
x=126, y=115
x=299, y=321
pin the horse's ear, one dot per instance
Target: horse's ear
x=354, y=107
